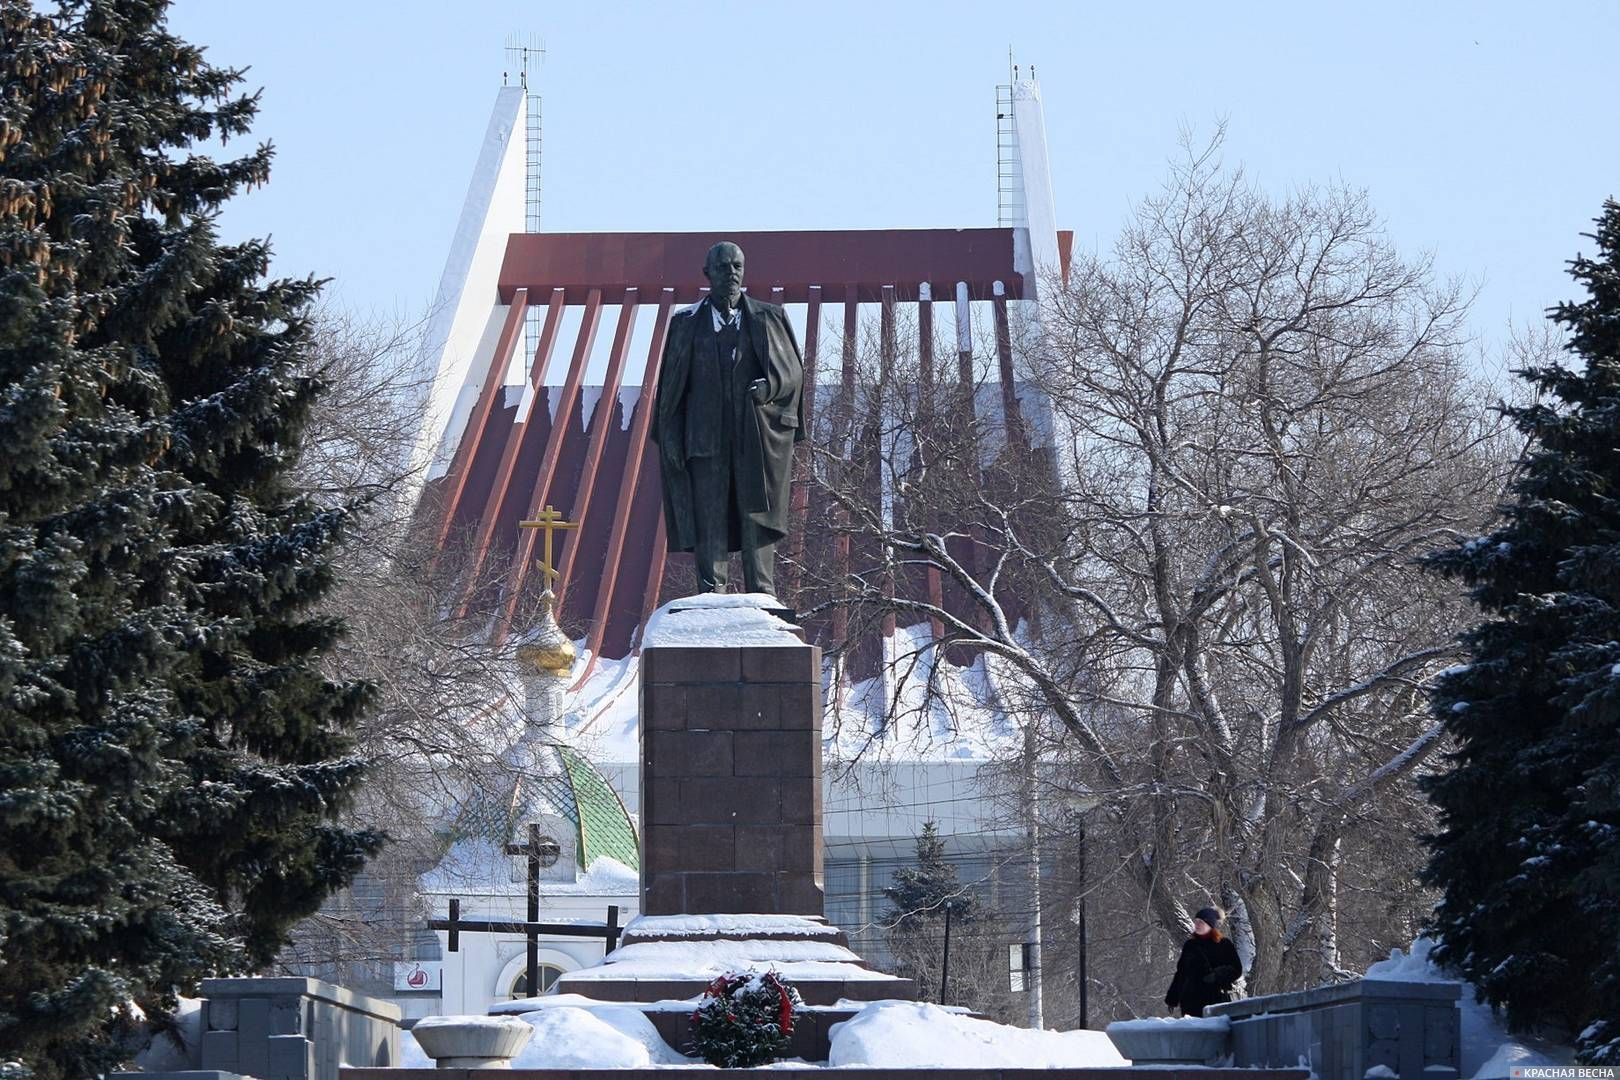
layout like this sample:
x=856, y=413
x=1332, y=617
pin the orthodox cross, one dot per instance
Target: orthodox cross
x=549, y=520
x=541, y=851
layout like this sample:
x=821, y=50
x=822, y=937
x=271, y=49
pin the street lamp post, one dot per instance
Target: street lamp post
x=1078, y=803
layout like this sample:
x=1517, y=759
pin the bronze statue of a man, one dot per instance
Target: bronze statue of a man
x=729, y=410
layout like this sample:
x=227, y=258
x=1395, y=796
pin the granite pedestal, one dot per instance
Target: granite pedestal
x=731, y=779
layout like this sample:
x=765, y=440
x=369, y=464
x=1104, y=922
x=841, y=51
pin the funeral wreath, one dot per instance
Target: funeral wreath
x=744, y=1019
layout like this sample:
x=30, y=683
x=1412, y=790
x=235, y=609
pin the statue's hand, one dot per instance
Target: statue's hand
x=759, y=390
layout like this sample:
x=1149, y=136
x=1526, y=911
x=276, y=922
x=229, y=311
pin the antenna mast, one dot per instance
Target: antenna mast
x=1010, y=211
x=524, y=54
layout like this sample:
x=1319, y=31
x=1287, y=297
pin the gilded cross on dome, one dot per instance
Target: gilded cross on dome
x=549, y=520
x=546, y=648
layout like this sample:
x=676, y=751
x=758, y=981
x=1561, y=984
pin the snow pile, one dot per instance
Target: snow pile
x=604, y=1036
x=1488, y=1051
x=907, y=1034
x=611, y=1037
x=719, y=619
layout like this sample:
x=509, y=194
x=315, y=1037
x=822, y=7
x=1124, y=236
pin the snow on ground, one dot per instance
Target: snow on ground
x=610, y=1037
x=910, y=1034
x=604, y=1036
x=1488, y=1051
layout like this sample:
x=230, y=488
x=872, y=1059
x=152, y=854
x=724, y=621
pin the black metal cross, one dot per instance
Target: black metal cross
x=532, y=927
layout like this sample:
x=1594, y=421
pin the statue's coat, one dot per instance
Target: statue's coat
x=684, y=429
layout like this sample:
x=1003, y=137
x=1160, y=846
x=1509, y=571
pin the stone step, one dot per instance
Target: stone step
x=813, y=991
x=690, y=928
x=832, y=935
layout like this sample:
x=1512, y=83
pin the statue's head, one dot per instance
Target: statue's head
x=723, y=266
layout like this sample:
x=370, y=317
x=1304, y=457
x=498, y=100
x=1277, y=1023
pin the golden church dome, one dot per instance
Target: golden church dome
x=546, y=649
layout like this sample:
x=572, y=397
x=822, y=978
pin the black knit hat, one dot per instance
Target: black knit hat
x=1211, y=915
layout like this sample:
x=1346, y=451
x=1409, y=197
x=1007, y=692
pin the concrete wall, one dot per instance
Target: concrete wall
x=294, y=1029
x=1412, y=1029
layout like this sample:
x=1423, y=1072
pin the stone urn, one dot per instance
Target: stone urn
x=472, y=1042
x=1163, y=1041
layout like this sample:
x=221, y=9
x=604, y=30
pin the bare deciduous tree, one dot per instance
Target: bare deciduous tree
x=1247, y=425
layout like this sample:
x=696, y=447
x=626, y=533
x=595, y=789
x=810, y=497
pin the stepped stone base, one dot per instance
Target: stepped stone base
x=813, y=991
x=828, y=973
x=842, y=1074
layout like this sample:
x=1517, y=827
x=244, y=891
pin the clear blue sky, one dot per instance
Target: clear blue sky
x=1486, y=133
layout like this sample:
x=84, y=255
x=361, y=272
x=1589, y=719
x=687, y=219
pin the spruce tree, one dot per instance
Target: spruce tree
x=918, y=900
x=923, y=891
x=1528, y=852
x=172, y=761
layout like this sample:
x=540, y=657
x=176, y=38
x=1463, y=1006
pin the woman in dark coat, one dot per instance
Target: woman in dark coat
x=1208, y=967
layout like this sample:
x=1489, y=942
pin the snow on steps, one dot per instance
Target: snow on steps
x=647, y=928
x=679, y=963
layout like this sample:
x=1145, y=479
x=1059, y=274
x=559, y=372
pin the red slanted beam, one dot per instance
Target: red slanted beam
x=467, y=445
x=1017, y=438
x=792, y=573
x=925, y=421
x=655, y=577
x=599, y=431
x=863, y=259
x=622, y=512
x=509, y=453
x=845, y=421
x=523, y=553
x=886, y=477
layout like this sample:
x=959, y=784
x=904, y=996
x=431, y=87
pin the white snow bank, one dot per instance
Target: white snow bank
x=909, y=1034
x=1488, y=1051
x=609, y=1037
x=742, y=926
x=719, y=619
x=605, y=1036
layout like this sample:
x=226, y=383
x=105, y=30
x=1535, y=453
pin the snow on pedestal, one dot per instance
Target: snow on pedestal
x=720, y=620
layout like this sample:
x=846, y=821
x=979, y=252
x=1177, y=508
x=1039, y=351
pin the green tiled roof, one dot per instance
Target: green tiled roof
x=604, y=825
x=556, y=781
